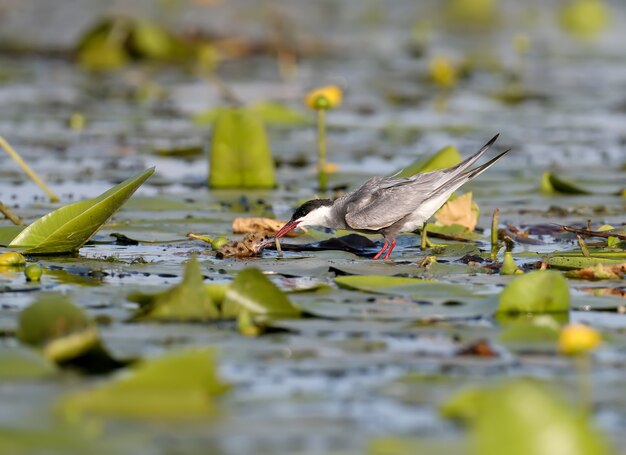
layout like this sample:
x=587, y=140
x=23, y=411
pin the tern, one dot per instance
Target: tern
x=390, y=205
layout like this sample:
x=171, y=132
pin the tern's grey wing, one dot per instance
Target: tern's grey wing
x=381, y=202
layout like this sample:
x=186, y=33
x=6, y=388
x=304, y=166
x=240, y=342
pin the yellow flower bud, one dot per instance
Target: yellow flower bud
x=442, y=72
x=12, y=258
x=577, y=339
x=327, y=97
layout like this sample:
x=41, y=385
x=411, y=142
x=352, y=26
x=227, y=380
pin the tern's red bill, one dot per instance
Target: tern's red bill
x=287, y=228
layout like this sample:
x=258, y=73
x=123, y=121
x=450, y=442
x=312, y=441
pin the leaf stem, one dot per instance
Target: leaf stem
x=321, y=149
x=494, y=228
x=10, y=215
x=27, y=169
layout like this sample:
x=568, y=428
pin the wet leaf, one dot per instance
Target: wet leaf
x=375, y=283
x=187, y=301
x=536, y=292
x=462, y=211
x=177, y=385
x=258, y=295
x=19, y=363
x=67, y=229
x=531, y=420
x=59, y=328
x=446, y=157
x=551, y=184
x=240, y=153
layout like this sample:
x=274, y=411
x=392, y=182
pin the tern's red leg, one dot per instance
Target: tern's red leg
x=391, y=247
x=382, y=250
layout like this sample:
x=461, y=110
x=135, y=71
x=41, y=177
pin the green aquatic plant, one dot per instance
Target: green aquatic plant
x=240, y=155
x=67, y=229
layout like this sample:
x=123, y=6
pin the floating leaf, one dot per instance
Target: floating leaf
x=257, y=294
x=67, y=229
x=17, y=363
x=180, y=385
x=150, y=41
x=240, y=153
x=58, y=327
x=187, y=301
x=579, y=262
x=375, y=283
x=536, y=292
x=462, y=210
x=526, y=419
x=551, y=184
x=446, y=157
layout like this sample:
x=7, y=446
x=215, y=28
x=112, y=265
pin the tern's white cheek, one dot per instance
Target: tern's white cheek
x=317, y=217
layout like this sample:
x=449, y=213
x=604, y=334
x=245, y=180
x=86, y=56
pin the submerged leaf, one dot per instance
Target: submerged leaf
x=187, y=301
x=240, y=153
x=536, y=292
x=462, y=210
x=446, y=157
x=178, y=385
x=551, y=184
x=67, y=229
x=258, y=295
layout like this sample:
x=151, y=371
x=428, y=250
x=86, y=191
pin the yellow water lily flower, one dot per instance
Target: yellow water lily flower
x=327, y=97
x=577, y=339
x=443, y=72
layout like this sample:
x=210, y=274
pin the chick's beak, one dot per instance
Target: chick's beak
x=290, y=226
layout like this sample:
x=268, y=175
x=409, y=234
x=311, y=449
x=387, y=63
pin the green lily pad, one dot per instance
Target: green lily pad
x=551, y=184
x=446, y=157
x=240, y=154
x=374, y=283
x=59, y=328
x=580, y=262
x=526, y=419
x=256, y=293
x=67, y=229
x=187, y=301
x=536, y=292
x=178, y=385
x=18, y=363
